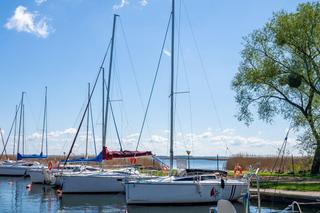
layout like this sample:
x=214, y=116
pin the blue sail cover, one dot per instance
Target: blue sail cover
x=98, y=158
x=30, y=156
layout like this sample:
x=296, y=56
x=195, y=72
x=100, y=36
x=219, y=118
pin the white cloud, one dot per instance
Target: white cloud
x=143, y=3
x=168, y=53
x=123, y=3
x=39, y=2
x=24, y=21
x=208, y=142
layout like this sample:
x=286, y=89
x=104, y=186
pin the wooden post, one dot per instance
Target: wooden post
x=292, y=162
x=217, y=162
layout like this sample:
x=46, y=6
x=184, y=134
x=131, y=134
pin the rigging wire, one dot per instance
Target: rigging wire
x=35, y=119
x=203, y=67
x=82, y=119
x=133, y=68
x=189, y=97
x=87, y=106
x=11, y=128
x=2, y=140
x=15, y=133
x=93, y=133
x=177, y=76
x=123, y=108
x=153, y=83
x=114, y=121
x=86, y=98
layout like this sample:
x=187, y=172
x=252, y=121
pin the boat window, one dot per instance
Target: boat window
x=211, y=177
x=185, y=179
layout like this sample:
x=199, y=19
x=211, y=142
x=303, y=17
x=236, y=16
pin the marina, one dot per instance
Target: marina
x=151, y=138
x=39, y=198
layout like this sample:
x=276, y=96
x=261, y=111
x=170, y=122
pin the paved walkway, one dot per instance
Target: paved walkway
x=314, y=196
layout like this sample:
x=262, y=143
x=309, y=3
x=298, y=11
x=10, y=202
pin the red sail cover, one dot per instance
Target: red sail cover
x=109, y=155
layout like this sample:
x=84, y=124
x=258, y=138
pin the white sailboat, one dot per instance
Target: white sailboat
x=18, y=167
x=110, y=181
x=101, y=181
x=188, y=189
x=51, y=176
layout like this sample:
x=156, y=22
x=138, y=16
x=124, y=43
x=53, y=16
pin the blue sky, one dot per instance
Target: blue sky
x=60, y=44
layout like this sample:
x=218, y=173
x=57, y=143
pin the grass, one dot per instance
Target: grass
x=290, y=186
x=306, y=175
x=284, y=174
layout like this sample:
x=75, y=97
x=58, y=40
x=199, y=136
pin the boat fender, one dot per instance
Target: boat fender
x=50, y=165
x=213, y=192
x=222, y=183
x=59, y=192
x=199, y=188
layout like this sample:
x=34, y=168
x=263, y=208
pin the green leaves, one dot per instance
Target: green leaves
x=280, y=70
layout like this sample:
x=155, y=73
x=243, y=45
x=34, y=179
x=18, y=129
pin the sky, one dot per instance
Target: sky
x=60, y=44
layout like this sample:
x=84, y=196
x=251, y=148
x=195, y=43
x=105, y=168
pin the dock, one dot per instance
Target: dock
x=286, y=195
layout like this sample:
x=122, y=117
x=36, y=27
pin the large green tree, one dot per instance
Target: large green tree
x=280, y=73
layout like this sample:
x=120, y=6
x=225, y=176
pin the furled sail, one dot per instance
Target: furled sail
x=98, y=158
x=109, y=155
x=30, y=156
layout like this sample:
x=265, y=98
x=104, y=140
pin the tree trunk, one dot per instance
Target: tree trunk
x=316, y=159
x=315, y=169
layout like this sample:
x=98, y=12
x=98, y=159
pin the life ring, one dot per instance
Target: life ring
x=133, y=160
x=50, y=165
x=237, y=170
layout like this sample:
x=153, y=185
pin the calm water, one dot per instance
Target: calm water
x=15, y=197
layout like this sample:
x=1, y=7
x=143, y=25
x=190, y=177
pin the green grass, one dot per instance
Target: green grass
x=290, y=186
x=274, y=174
x=307, y=175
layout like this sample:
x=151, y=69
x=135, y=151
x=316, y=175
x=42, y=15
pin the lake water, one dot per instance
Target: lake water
x=201, y=164
x=16, y=198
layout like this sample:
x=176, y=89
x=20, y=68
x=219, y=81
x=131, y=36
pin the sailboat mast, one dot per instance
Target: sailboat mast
x=46, y=123
x=172, y=88
x=15, y=131
x=103, y=102
x=109, y=79
x=20, y=120
x=44, y=119
x=88, y=117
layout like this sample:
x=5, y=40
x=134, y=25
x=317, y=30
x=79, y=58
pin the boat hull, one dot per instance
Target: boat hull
x=14, y=171
x=36, y=176
x=91, y=184
x=175, y=193
x=42, y=176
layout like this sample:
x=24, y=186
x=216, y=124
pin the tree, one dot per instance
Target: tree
x=280, y=73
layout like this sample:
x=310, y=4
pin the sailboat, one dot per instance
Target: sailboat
x=50, y=175
x=44, y=137
x=101, y=181
x=187, y=189
x=21, y=167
